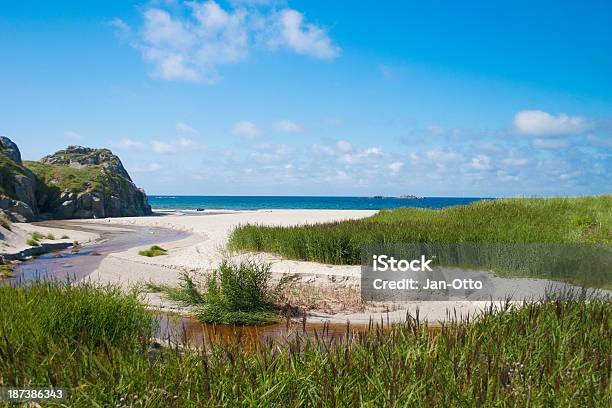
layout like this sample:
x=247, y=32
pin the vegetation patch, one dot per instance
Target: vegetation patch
x=584, y=220
x=37, y=236
x=232, y=294
x=95, y=341
x=6, y=270
x=153, y=251
x=32, y=242
x=5, y=222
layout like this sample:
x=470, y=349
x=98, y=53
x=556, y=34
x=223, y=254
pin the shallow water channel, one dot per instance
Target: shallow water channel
x=76, y=263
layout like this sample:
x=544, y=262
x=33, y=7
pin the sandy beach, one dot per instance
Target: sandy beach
x=204, y=249
x=328, y=292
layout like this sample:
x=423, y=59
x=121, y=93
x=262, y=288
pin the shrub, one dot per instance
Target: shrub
x=37, y=236
x=32, y=242
x=5, y=222
x=153, y=251
x=65, y=237
x=234, y=294
x=50, y=236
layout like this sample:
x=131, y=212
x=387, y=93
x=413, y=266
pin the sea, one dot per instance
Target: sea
x=249, y=203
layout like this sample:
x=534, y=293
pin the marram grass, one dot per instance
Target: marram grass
x=232, y=294
x=547, y=354
x=555, y=221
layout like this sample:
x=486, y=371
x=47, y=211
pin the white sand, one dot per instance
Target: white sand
x=204, y=249
x=14, y=240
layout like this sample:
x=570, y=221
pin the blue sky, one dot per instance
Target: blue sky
x=317, y=97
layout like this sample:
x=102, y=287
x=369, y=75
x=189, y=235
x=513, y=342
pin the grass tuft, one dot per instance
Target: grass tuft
x=37, y=236
x=153, y=251
x=5, y=222
x=32, y=242
x=233, y=294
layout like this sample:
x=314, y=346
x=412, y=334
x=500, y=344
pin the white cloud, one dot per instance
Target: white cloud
x=287, y=126
x=515, y=161
x=354, y=158
x=395, y=167
x=503, y=176
x=481, y=162
x=176, y=146
x=186, y=129
x=190, y=40
x=147, y=168
x=438, y=155
x=127, y=144
x=323, y=150
x=306, y=39
x=120, y=27
x=539, y=123
x=344, y=146
x=246, y=129
x=550, y=143
x=163, y=147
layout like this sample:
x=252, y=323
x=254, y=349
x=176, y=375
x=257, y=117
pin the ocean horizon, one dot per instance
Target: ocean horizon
x=237, y=203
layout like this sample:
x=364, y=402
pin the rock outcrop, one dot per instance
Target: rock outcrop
x=10, y=149
x=79, y=157
x=77, y=182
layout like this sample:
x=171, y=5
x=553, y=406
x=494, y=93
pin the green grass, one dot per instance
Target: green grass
x=52, y=180
x=6, y=270
x=153, y=251
x=572, y=221
x=5, y=222
x=32, y=242
x=233, y=294
x=93, y=341
x=68, y=178
x=37, y=236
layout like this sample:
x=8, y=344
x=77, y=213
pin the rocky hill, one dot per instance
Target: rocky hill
x=77, y=182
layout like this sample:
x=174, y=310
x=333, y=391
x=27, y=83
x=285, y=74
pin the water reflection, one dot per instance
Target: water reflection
x=189, y=332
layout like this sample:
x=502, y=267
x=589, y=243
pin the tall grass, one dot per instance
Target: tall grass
x=33, y=317
x=232, y=294
x=584, y=220
x=549, y=353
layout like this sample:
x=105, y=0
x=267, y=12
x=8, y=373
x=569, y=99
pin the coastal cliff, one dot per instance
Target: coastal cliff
x=77, y=182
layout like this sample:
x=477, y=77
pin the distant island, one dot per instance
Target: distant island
x=403, y=197
x=77, y=182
